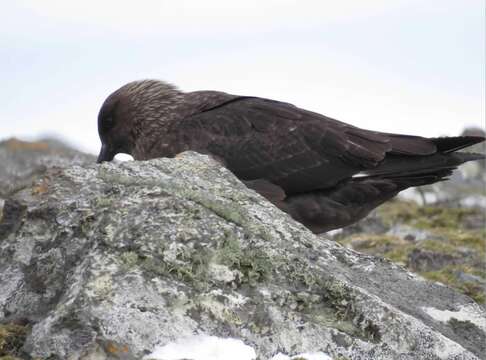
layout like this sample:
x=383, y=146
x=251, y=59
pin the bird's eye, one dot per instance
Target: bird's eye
x=107, y=123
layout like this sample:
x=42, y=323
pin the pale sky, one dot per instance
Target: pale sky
x=406, y=66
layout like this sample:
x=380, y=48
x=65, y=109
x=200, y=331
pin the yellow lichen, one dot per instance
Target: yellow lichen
x=40, y=187
x=115, y=349
x=19, y=145
x=12, y=338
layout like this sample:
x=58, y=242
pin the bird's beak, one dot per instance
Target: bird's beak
x=106, y=154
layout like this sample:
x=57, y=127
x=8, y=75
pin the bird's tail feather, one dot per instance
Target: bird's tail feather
x=404, y=181
x=395, y=165
x=466, y=156
x=451, y=144
x=414, y=161
x=350, y=201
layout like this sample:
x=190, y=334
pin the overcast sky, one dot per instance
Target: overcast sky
x=410, y=66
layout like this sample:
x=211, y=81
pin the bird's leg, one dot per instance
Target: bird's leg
x=268, y=190
x=422, y=196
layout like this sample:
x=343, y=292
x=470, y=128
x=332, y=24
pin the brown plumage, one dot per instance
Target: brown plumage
x=325, y=173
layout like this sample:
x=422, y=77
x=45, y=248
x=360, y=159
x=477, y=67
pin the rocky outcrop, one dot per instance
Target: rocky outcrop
x=22, y=161
x=109, y=261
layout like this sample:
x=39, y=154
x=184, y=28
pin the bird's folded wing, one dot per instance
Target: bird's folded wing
x=295, y=149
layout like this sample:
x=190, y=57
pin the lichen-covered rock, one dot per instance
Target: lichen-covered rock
x=21, y=161
x=109, y=261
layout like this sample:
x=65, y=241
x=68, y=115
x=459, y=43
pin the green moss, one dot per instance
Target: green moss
x=388, y=246
x=255, y=266
x=481, y=272
x=253, y=263
x=339, y=299
x=423, y=217
x=341, y=357
x=467, y=330
x=372, y=241
x=447, y=236
x=129, y=258
x=441, y=246
x=298, y=272
x=338, y=296
x=12, y=339
x=447, y=276
x=327, y=302
x=197, y=261
x=103, y=202
x=462, y=325
x=191, y=266
x=229, y=253
x=215, y=308
x=232, y=317
x=399, y=254
x=459, y=237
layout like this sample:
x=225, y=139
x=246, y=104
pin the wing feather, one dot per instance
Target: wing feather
x=296, y=149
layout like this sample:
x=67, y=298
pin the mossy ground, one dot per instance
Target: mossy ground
x=424, y=217
x=12, y=339
x=448, y=237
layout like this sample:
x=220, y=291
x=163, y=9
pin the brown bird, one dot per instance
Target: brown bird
x=325, y=173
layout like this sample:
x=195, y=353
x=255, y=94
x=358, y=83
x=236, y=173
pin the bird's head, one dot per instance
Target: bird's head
x=129, y=113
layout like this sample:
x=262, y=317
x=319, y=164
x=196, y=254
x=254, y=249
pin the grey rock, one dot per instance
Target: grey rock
x=409, y=233
x=426, y=260
x=471, y=280
x=108, y=261
x=22, y=161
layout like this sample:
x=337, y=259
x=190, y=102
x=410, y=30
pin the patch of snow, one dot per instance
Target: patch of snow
x=123, y=157
x=306, y=356
x=472, y=313
x=203, y=347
